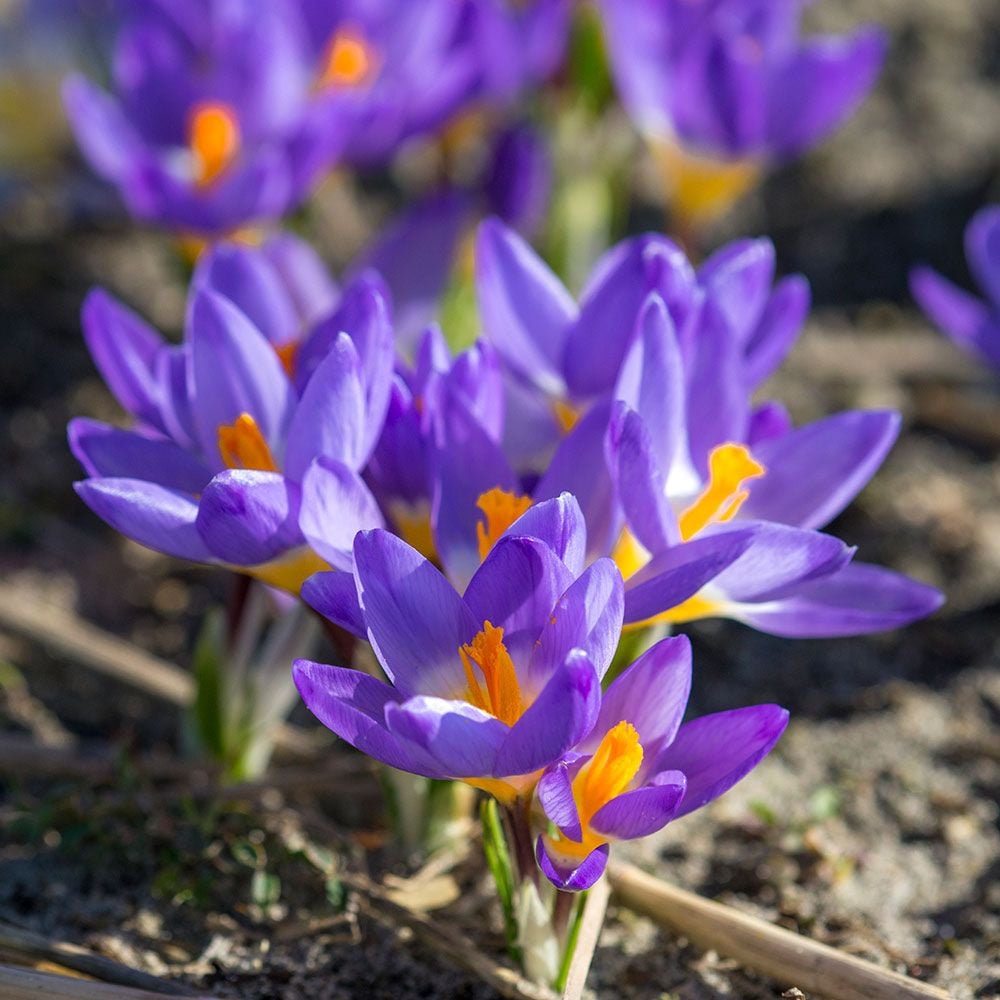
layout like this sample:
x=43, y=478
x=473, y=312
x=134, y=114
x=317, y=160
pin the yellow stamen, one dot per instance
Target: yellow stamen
x=501, y=509
x=502, y=697
x=214, y=140
x=608, y=773
x=692, y=609
x=629, y=555
x=349, y=60
x=567, y=415
x=729, y=467
x=702, y=188
x=287, y=354
x=289, y=571
x=242, y=445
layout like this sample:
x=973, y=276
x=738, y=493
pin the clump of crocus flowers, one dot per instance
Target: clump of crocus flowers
x=499, y=534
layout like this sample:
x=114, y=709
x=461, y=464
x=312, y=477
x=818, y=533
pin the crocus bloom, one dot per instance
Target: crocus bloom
x=219, y=117
x=724, y=88
x=229, y=452
x=639, y=768
x=973, y=323
x=490, y=686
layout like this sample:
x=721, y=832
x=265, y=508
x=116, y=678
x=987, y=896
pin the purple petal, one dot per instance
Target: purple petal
x=562, y=873
x=160, y=518
x=330, y=420
x=463, y=739
x=555, y=796
x=555, y=722
x=580, y=467
x=336, y=505
x=821, y=86
x=106, y=137
x=769, y=421
x=651, y=694
x=814, y=472
x=247, y=517
x=559, y=524
x=982, y=248
x=783, y=318
x=416, y=622
x=525, y=309
x=716, y=751
x=335, y=596
x=856, y=600
x=515, y=589
x=642, y=811
x=235, y=371
x=677, y=573
x=354, y=706
x=962, y=316
x=245, y=277
x=738, y=279
x=111, y=452
x=588, y=617
x=125, y=350
x=778, y=561
x=304, y=275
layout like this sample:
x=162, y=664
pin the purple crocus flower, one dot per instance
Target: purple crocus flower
x=518, y=179
x=219, y=116
x=227, y=442
x=724, y=88
x=490, y=686
x=639, y=768
x=972, y=323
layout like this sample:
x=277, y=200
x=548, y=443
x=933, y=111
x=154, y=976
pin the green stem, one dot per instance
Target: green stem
x=572, y=937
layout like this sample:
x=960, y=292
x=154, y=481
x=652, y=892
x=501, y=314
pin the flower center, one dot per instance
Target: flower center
x=567, y=415
x=287, y=355
x=413, y=523
x=501, y=509
x=242, y=445
x=608, y=773
x=729, y=467
x=349, y=60
x=214, y=140
x=488, y=656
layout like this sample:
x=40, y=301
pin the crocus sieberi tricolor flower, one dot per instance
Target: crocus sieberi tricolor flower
x=489, y=686
x=723, y=89
x=244, y=435
x=638, y=401
x=639, y=768
x=971, y=322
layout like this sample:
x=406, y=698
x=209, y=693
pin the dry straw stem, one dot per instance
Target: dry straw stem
x=29, y=948
x=67, y=635
x=27, y=984
x=594, y=911
x=773, y=951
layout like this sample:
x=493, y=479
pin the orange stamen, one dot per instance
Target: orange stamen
x=729, y=466
x=242, y=445
x=502, y=697
x=349, y=60
x=501, y=509
x=608, y=773
x=287, y=354
x=214, y=140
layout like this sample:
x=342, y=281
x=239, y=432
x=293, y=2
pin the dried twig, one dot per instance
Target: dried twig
x=773, y=951
x=68, y=635
x=586, y=942
x=20, y=945
x=27, y=984
x=454, y=947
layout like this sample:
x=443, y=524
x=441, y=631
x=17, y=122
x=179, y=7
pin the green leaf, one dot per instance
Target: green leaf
x=498, y=862
x=208, y=711
x=265, y=889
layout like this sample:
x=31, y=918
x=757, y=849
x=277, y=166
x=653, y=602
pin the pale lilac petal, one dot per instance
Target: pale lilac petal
x=555, y=795
x=111, y=452
x=336, y=505
x=559, y=524
x=247, y=517
x=160, y=518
